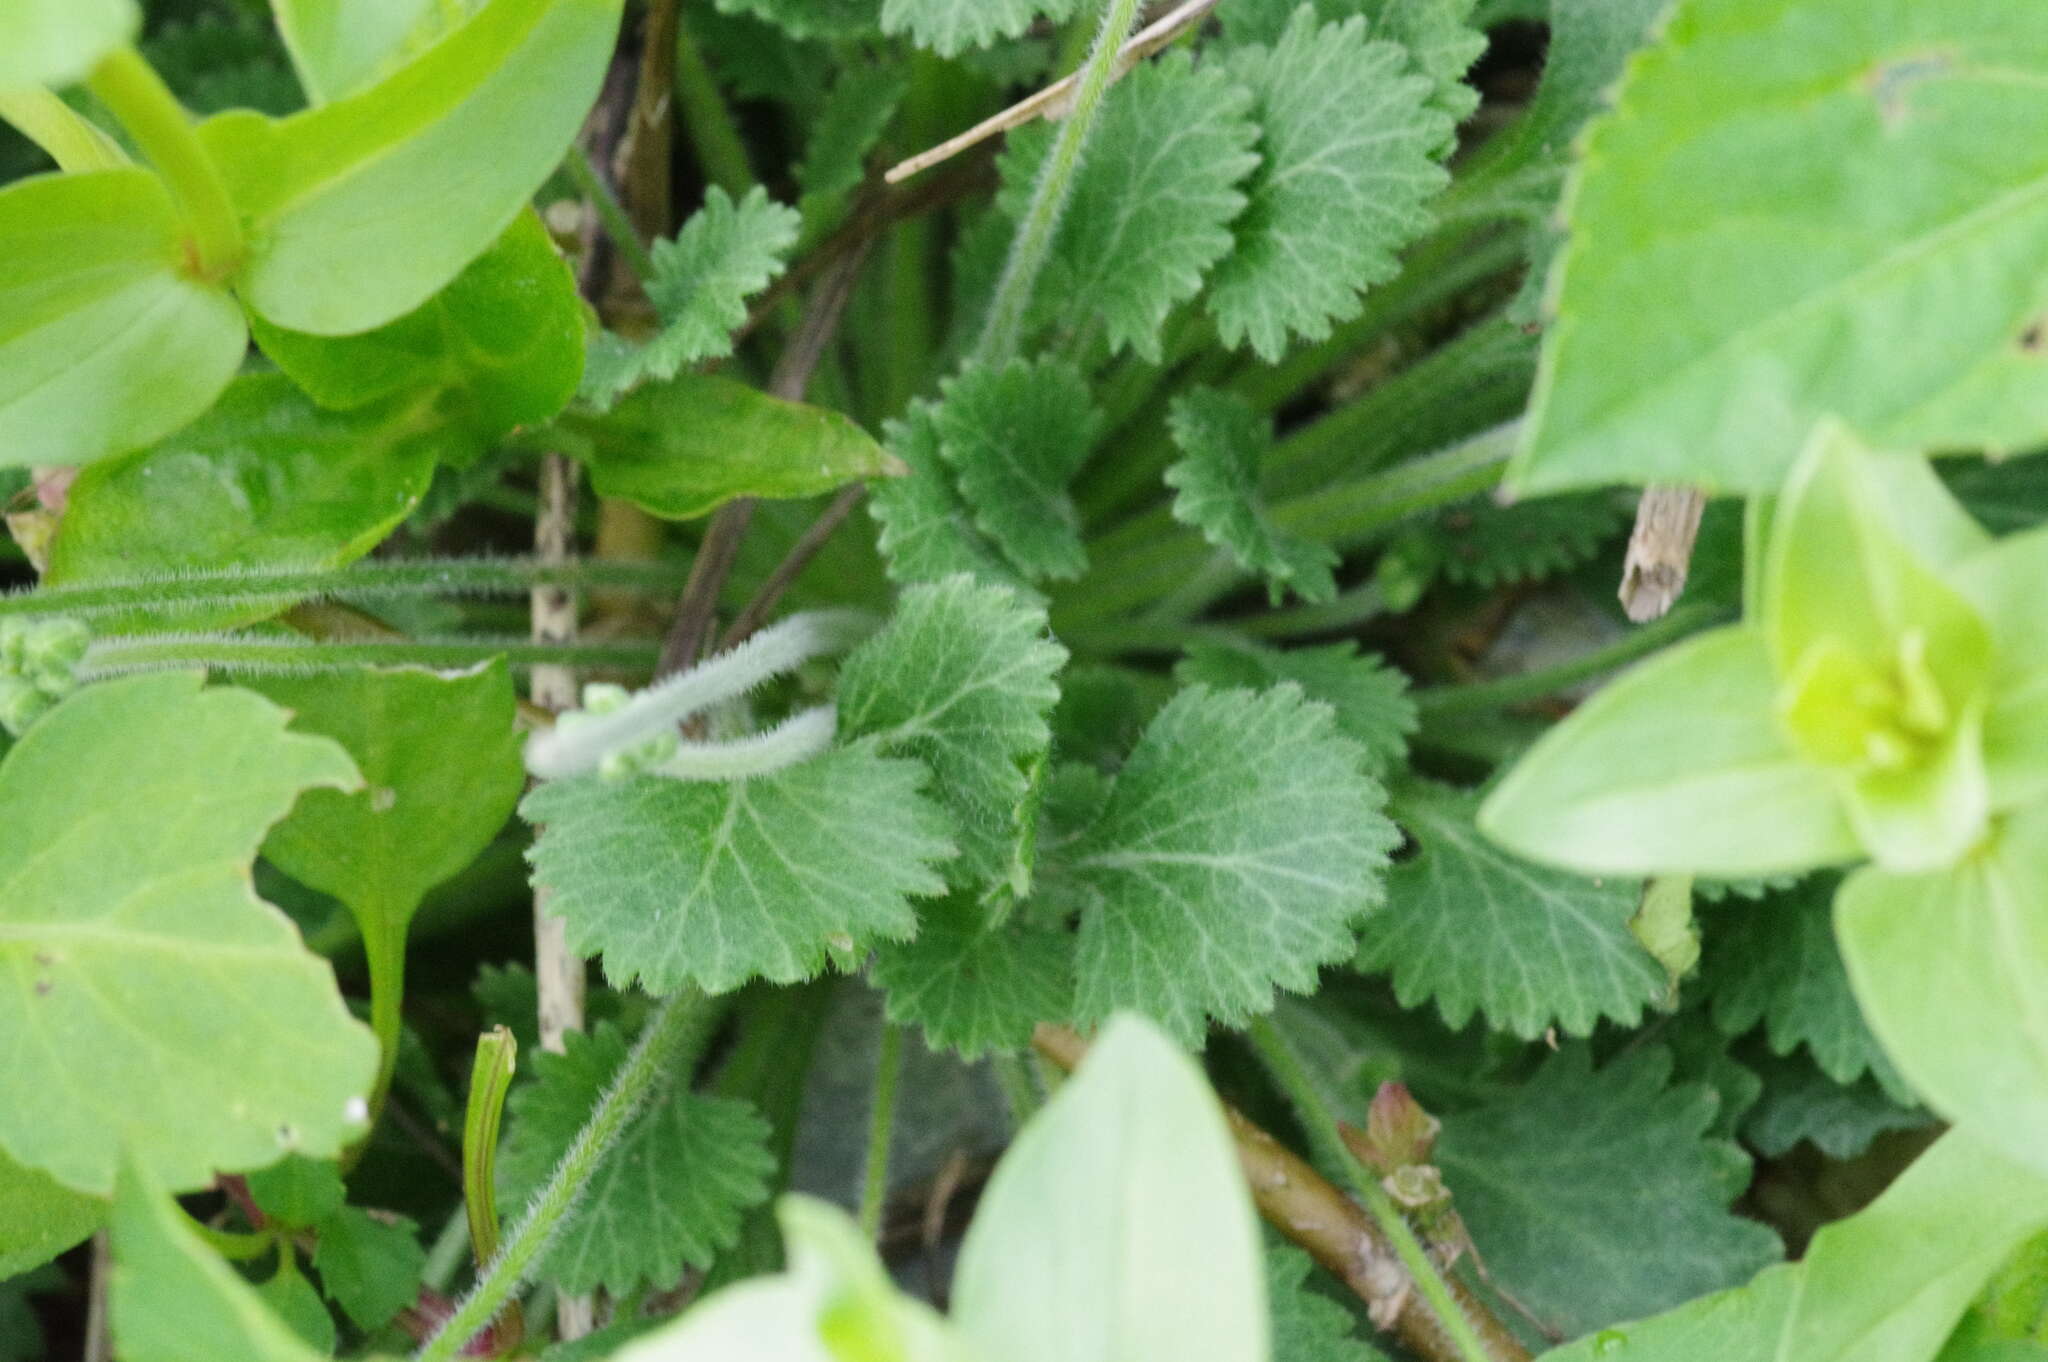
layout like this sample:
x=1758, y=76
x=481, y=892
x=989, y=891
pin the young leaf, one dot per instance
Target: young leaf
x=1222, y=442
x=962, y=678
x=949, y=27
x=174, y=1299
x=1123, y=1201
x=340, y=46
x=972, y=985
x=1370, y=698
x=500, y=347
x=40, y=1217
x=1616, y=1163
x=1151, y=204
x=1951, y=970
x=353, y=215
x=685, y=447
x=1476, y=929
x=715, y=883
x=1347, y=140
x=668, y=1195
x=1014, y=436
x=702, y=279
x=1841, y=195
x=154, y=1001
x=56, y=42
x=925, y=532
x=106, y=341
x=1307, y=1327
x=1238, y=846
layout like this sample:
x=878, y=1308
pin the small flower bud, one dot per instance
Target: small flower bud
x=21, y=703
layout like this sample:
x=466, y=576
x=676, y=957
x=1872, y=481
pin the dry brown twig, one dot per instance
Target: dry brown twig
x=1660, y=550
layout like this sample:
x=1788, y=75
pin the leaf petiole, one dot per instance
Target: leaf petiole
x=137, y=96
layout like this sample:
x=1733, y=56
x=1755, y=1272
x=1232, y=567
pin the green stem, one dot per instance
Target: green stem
x=1321, y=1126
x=490, y=1079
x=874, y=1186
x=236, y=1246
x=136, y=95
x=707, y=119
x=1438, y=702
x=1005, y=329
x=263, y=655
x=384, y=953
x=625, y=237
x=72, y=142
x=1349, y=610
x=1019, y=1085
x=667, y=1047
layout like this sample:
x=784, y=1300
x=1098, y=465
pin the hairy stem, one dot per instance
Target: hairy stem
x=264, y=655
x=1004, y=331
x=874, y=1185
x=136, y=95
x=669, y=1044
x=625, y=238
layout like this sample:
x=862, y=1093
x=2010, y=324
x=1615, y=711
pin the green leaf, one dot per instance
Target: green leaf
x=264, y=477
x=1123, y=1201
x=669, y=1194
x=40, y=1218
x=174, y=1299
x=972, y=985
x=297, y=1191
x=925, y=532
x=353, y=216
x=500, y=347
x=1307, y=1327
x=1370, y=697
x=293, y=1300
x=371, y=1267
x=848, y=125
x=106, y=342
x=1014, y=436
x=685, y=447
x=1347, y=140
x=1484, y=543
x=340, y=46
x=1775, y=962
x=1443, y=42
x=1799, y=1102
x=1742, y=1323
x=1223, y=441
x=441, y=773
x=1957, y=1213
x=1476, y=929
x=1726, y=254
x=1616, y=1163
x=1677, y=766
x=962, y=677
x=153, y=1000
x=813, y=18
x=949, y=27
x=56, y=42
x=1239, y=844
x=702, y=279
x=1151, y=204
x=1951, y=970
x=716, y=883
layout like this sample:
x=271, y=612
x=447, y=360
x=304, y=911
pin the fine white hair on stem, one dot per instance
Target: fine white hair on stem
x=797, y=738
x=571, y=749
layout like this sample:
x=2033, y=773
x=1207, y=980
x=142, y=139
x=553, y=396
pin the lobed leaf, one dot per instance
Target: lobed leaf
x=1370, y=698
x=371, y=1268
x=1223, y=441
x=1307, y=1326
x=925, y=532
x=1014, y=436
x=973, y=985
x=949, y=27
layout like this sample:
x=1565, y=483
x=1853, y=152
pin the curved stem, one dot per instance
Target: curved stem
x=673, y=1035
x=1004, y=330
x=133, y=91
x=72, y=142
x=874, y=1186
x=625, y=237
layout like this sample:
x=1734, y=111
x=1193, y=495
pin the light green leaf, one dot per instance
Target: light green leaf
x=441, y=774
x=1889, y=1283
x=1240, y=843
x=949, y=27
x=1347, y=140
x=1223, y=441
x=702, y=279
x=1616, y=1163
x=1727, y=255
x=289, y=1296
x=361, y=210
x=1478, y=930
x=925, y=532
x=1151, y=205
x=1742, y=1323
x=370, y=1267
x=1677, y=766
x=685, y=447
x=1307, y=1327
x=153, y=1000
x=1370, y=697
x=1122, y=1200
x=1951, y=970
x=340, y=46
x=56, y=42
x=962, y=677
x=716, y=883
x=2000, y=582
x=174, y=1299
x=1014, y=436
x=501, y=346
x=669, y=1195
x=40, y=1217
x=264, y=477
x=972, y=985
x=298, y=1192
x=106, y=342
